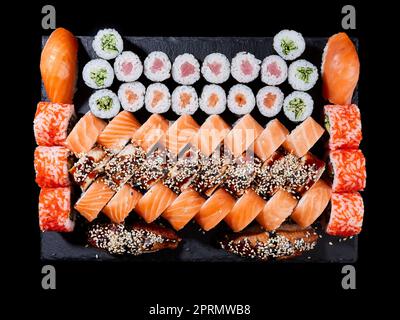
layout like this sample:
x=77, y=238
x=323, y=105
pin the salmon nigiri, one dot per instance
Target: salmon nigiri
x=245, y=210
x=340, y=69
x=59, y=65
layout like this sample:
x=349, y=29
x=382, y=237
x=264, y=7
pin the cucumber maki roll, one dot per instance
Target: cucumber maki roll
x=107, y=44
x=302, y=75
x=289, y=44
x=98, y=74
x=104, y=104
x=298, y=106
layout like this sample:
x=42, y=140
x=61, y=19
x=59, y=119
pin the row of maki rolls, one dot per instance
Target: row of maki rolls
x=186, y=70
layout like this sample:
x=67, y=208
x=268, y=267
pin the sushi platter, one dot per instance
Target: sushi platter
x=199, y=148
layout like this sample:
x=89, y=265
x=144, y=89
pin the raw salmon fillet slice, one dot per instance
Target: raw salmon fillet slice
x=210, y=134
x=312, y=204
x=180, y=133
x=122, y=203
x=118, y=131
x=215, y=209
x=184, y=208
x=243, y=134
x=303, y=137
x=276, y=210
x=274, y=134
x=151, y=132
x=245, y=210
x=155, y=201
x=84, y=135
x=94, y=199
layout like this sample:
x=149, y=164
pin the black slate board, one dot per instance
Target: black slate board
x=196, y=245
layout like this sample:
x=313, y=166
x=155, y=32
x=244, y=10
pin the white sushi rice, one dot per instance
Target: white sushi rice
x=184, y=100
x=104, y=104
x=216, y=68
x=245, y=67
x=274, y=70
x=209, y=95
x=298, y=106
x=157, y=66
x=131, y=95
x=186, y=69
x=303, y=75
x=107, y=44
x=266, y=95
x=241, y=99
x=157, y=98
x=289, y=44
x=98, y=74
x=128, y=67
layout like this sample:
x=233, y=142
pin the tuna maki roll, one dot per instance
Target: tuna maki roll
x=157, y=98
x=213, y=99
x=157, y=66
x=298, y=106
x=289, y=44
x=302, y=75
x=216, y=68
x=184, y=100
x=269, y=101
x=128, y=67
x=107, y=44
x=98, y=74
x=186, y=69
x=241, y=99
x=245, y=67
x=273, y=70
x=104, y=104
x=131, y=95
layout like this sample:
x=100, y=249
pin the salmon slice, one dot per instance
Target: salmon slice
x=94, y=199
x=340, y=69
x=122, y=203
x=180, y=133
x=274, y=134
x=184, y=208
x=59, y=66
x=118, y=132
x=151, y=132
x=312, y=204
x=84, y=135
x=243, y=134
x=245, y=210
x=210, y=134
x=303, y=137
x=215, y=209
x=154, y=202
x=277, y=209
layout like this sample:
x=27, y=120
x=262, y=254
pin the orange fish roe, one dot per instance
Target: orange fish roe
x=269, y=100
x=54, y=209
x=347, y=212
x=240, y=99
x=51, y=123
x=157, y=97
x=51, y=167
x=185, y=99
x=131, y=96
x=213, y=100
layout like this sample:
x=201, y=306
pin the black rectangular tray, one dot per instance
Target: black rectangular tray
x=197, y=245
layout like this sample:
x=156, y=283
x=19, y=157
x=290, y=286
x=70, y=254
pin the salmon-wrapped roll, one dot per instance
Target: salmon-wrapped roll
x=343, y=124
x=52, y=122
x=51, y=167
x=347, y=212
x=348, y=170
x=55, y=209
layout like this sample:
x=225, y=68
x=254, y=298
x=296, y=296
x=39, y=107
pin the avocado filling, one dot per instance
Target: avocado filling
x=109, y=42
x=297, y=106
x=288, y=45
x=99, y=76
x=104, y=103
x=304, y=73
x=327, y=123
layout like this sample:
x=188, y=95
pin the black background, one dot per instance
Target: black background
x=137, y=286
